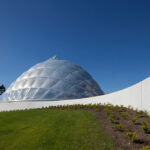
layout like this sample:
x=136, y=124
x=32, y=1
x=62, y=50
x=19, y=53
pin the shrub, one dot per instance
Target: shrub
x=124, y=115
x=145, y=127
x=112, y=118
x=130, y=107
x=141, y=112
x=109, y=105
x=97, y=109
x=145, y=148
x=122, y=109
x=116, y=108
x=118, y=127
x=132, y=136
x=134, y=120
x=108, y=112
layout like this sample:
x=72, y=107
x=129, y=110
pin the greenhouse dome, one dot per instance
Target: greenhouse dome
x=53, y=79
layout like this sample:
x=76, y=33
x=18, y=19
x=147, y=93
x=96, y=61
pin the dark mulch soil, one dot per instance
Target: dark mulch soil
x=122, y=142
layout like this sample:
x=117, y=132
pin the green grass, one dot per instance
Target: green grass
x=47, y=129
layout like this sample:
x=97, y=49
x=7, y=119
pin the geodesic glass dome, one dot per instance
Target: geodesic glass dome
x=53, y=79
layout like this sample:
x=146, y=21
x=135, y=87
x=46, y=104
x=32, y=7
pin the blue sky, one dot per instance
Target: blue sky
x=108, y=38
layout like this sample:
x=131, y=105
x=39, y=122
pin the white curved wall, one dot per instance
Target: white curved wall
x=138, y=96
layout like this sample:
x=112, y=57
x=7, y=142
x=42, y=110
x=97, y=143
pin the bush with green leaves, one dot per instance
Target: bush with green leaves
x=112, y=118
x=130, y=107
x=122, y=109
x=145, y=127
x=134, y=120
x=108, y=112
x=118, y=127
x=131, y=135
x=116, y=108
x=124, y=115
x=145, y=148
x=141, y=112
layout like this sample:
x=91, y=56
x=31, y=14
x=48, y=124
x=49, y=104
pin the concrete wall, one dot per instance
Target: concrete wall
x=138, y=96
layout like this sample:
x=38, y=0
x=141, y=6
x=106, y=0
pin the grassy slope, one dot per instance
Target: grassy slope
x=52, y=130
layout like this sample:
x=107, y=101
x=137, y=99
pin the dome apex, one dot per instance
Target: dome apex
x=54, y=57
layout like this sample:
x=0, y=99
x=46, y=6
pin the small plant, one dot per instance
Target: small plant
x=134, y=120
x=145, y=127
x=124, y=115
x=118, y=127
x=97, y=109
x=116, y=108
x=130, y=107
x=109, y=105
x=145, y=148
x=122, y=109
x=132, y=136
x=141, y=112
x=108, y=112
x=112, y=118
